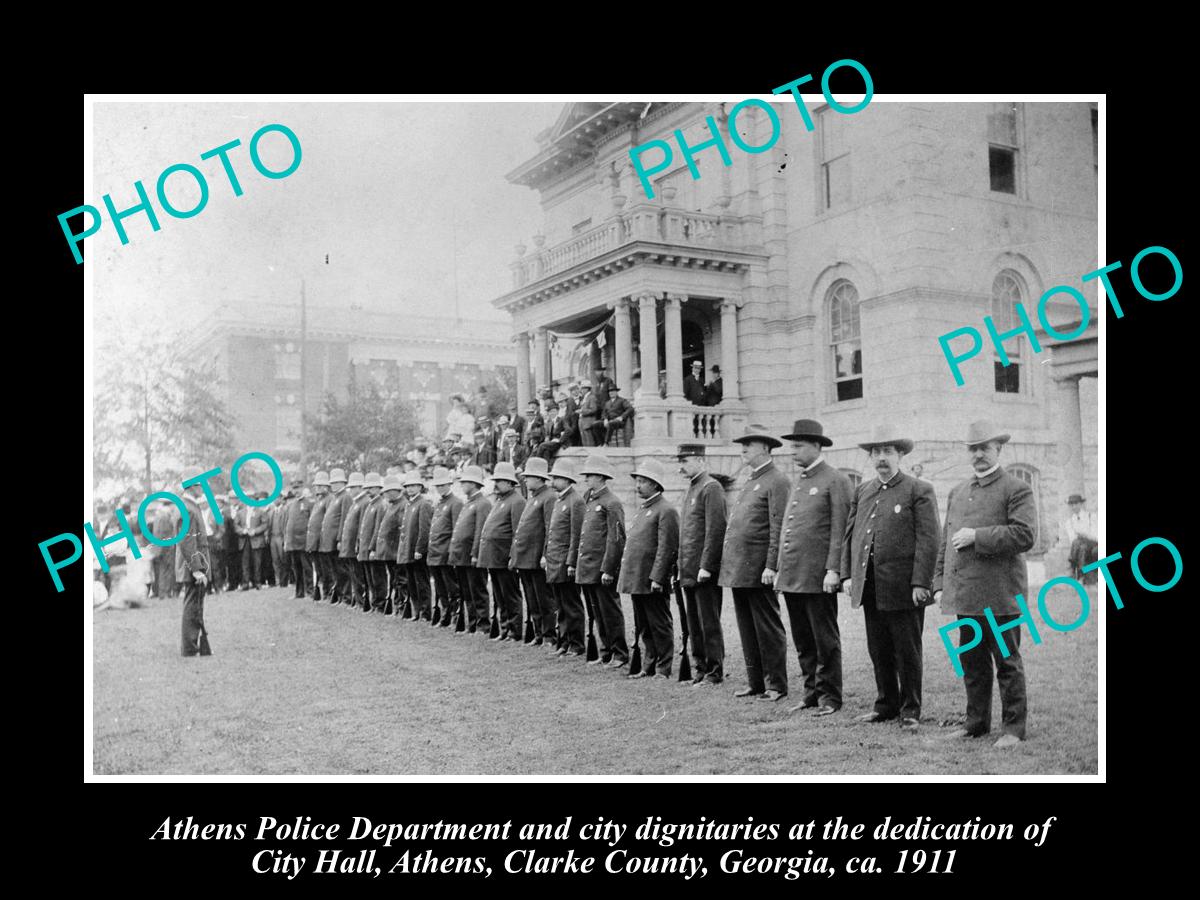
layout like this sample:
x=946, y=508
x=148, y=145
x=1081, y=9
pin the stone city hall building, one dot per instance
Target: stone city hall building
x=423, y=360
x=818, y=276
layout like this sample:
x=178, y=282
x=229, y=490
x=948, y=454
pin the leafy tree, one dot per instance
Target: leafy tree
x=367, y=432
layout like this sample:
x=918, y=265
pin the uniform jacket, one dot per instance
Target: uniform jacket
x=529, y=543
x=652, y=547
x=441, y=527
x=991, y=571
x=702, y=529
x=416, y=531
x=755, y=522
x=368, y=520
x=252, y=528
x=464, y=542
x=562, y=534
x=601, y=537
x=495, y=546
x=312, y=540
x=897, y=525
x=191, y=554
x=813, y=528
x=348, y=538
x=331, y=526
x=295, y=528
x=387, y=530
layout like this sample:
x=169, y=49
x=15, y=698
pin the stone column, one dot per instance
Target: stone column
x=729, y=350
x=624, y=359
x=673, y=326
x=1070, y=437
x=524, y=394
x=648, y=343
x=540, y=359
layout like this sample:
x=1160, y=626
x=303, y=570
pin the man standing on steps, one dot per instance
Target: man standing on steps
x=441, y=527
x=601, y=546
x=749, y=561
x=562, y=551
x=312, y=541
x=702, y=533
x=464, y=550
x=495, y=549
x=529, y=548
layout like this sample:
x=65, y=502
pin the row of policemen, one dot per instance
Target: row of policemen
x=560, y=543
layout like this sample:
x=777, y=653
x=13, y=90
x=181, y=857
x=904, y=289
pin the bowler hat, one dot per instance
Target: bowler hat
x=504, y=471
x=442, y=475
x=322, y=477
x=473, y=474
x=690, y=450
x=808, y=430
x=373, y=479
x=391, y=483
x=983, y=431
x=356, y=480
x=758, y=433
x=597, y=465
x=536, y=467
x=888, y=434
x=564, y=469
x=336, y=475
x=653, y=469
x=1075, y=498
x=413, y=479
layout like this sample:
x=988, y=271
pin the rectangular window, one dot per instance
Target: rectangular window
x=1002, y=167
x=847, y=362
x=835, y=161
x=1008, y=378
x=287, y=362
x=1003, y=146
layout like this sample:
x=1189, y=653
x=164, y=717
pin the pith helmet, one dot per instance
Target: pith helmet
x=597, y=465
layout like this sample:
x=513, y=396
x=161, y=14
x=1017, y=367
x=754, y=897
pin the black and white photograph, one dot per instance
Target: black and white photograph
x=506, y=436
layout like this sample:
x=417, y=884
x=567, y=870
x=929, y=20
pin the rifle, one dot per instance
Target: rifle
x=635, y=659
x=685, y=665
x=592, y=652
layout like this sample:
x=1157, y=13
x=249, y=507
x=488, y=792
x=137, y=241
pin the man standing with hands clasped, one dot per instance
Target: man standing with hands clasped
x=888, y=559
x=989, y=524
x=749, y=560
x=810, y=559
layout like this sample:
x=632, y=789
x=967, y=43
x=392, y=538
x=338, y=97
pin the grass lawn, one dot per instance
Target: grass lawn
x=296, y=687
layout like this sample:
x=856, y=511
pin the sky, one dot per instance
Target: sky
x=387, y=190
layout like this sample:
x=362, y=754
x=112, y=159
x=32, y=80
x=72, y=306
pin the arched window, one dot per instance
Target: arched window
x=845, y=341
x=1029, y=475
x=1008, y=289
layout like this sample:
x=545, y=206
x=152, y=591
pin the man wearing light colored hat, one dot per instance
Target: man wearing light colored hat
x=887, y=565
x=529, y=548
x=347, y=558
x=387, y=545
x=193, y=570
x=749, y=558
x=331, y=529
x=252, y=528
x=559, y=560
x=601, y=546
x=495, y=549
x=312, y=542
x=464, y=550
x=441, y=527
x=990, y=522
x=810, y=558
x=368, y=519
x=646, y=567
x=701, y=536
x=414, y=545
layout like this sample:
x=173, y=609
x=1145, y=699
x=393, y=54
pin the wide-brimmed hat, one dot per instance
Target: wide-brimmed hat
x=442, y=475
x=888, y=434
x=1075, y=498
x=690, y=450
x=758, y=433
x=696, y=363
x=473, y=474
x=413, y=479
x=392, y=483
x=597, y=465
x=983, y=431
x=564, y=469
x=373, y=479
x=808, y=430
x=652, y=469
x=321, y=477
x=505, y=471
x=337, y=475
x=356, y=480
x=536, y=467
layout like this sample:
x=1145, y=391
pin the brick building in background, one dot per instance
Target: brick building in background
x=819, y=274
x=424, y=359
